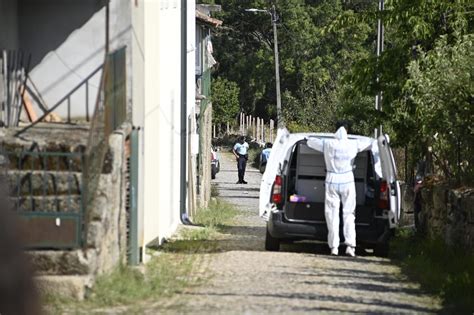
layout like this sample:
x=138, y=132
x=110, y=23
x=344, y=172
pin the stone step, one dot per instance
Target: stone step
x=75, y=287
x=45, y=182
x=60, y=203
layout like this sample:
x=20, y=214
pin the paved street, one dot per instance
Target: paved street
x=301, y=278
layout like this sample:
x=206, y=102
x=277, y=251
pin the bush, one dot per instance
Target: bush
x=440, y=89
x=225, y=141
x=441, y=270
x=225, y=100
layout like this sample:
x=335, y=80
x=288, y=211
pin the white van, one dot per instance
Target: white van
x=293, y=188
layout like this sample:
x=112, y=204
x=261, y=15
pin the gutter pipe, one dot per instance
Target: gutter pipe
x=184, y=113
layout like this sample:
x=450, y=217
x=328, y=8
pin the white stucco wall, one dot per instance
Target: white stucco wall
x=191, y=51
x=169, y=115
x=161, y=119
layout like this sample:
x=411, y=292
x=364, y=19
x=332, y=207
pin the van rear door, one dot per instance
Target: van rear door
x=280, y=146
x=389, y=172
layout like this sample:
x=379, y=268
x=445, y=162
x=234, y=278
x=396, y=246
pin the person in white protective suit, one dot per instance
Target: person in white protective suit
x=339, y=154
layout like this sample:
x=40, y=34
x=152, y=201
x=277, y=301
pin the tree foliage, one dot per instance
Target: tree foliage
x=424, y=74
x=329, y=69
x=411, y=26
x=441, y=89
x=225, y=101
x=313, y=57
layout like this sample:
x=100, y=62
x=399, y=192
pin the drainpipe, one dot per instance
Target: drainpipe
x=184, y=113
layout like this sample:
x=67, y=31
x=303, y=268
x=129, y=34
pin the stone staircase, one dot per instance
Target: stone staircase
x=67, y=248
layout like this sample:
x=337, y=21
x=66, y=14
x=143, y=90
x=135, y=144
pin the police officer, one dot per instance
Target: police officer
x=241, y=155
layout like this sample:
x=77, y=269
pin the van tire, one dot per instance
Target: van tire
x=271, y=244
x=382, y=249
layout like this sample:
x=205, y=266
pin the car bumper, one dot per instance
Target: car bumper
x=280, y=228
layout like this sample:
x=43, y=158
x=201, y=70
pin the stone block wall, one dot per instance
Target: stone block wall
x=105, y=240
x=205, y=147
x=107, y=229
x=448, y=213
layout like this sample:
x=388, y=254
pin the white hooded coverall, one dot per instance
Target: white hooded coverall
x=339, y=154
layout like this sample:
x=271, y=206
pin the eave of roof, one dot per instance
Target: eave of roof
x=203, y=18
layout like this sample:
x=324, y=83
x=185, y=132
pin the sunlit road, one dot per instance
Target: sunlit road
x=301, y=278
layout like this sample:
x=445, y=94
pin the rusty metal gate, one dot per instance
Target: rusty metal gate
x=47, y=193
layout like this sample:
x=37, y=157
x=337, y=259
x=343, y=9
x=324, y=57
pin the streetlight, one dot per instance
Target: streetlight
x=277, y=66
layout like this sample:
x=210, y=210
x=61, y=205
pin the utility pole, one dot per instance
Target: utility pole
x=281, y=122
x=274, y=17
x=380, y=40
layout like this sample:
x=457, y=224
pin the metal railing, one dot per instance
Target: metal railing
x=54, y=191
x=66, y=100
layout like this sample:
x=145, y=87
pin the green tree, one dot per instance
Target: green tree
x=225, y=101
x=441, y=88
x=411, y=26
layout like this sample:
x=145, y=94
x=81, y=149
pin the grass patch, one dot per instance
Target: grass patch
x=444, y=271
x=219, y=213
x=204, y=239
x=164, y=276
x=200, y=234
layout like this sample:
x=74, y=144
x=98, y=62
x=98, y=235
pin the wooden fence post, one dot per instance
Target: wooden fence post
x=271, y=130
x=249, y=125
x=258, y=129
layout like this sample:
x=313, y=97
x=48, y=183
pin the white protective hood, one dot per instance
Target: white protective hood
x=341, y=133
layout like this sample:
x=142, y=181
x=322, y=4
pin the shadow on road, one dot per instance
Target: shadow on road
x=252, y=238
x=397, y=306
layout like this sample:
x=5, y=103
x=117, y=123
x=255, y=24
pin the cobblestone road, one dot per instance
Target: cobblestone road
x=301, y=278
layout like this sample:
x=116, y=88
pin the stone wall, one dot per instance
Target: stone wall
x=449, y=214
x=72, y=272
x=107, y=230
x=205, y=146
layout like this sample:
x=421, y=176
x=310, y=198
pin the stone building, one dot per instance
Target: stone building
x=121, y=77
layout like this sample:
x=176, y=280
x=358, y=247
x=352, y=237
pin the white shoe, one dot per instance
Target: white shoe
x=334, y=251
x=350, y=251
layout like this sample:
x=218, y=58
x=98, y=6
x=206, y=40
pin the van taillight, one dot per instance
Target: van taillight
x=276, y=194
x=383, y=199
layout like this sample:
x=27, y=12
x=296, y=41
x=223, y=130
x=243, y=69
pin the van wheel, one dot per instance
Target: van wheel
x=271, y=244
x=381, y=249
